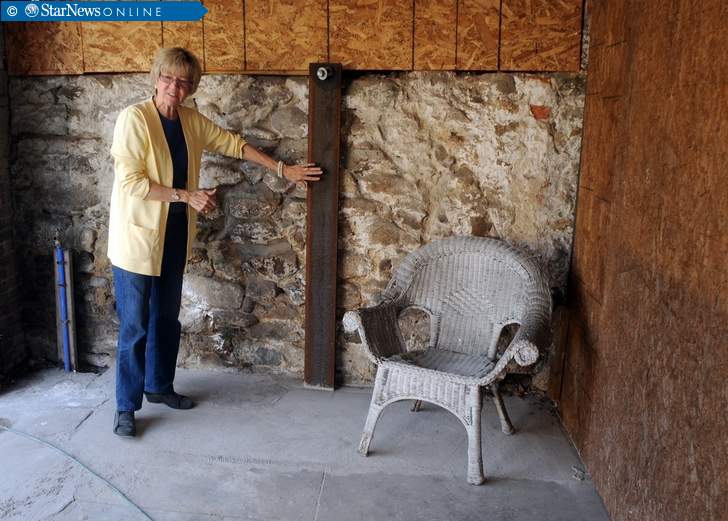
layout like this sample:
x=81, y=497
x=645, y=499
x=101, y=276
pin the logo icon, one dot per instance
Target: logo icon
x=31, y=10
x=12, y=10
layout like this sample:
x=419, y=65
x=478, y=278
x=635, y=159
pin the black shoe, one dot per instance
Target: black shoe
x=173, y=400
x=124, y=424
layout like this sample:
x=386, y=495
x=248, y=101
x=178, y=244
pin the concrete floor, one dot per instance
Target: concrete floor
x=260, y=448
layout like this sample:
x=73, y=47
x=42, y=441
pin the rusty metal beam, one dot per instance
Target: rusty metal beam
x=322, y=203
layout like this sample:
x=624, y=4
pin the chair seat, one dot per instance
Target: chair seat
x=442, y=360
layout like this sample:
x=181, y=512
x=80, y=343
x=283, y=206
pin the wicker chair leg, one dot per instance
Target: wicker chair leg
x=475, y=450
x=506, y=425
x=366, y=436
x=375, y=409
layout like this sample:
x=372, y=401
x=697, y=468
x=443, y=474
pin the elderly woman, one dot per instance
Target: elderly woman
x=157, y=149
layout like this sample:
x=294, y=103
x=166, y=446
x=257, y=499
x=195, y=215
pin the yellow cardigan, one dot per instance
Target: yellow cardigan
x=141, y=154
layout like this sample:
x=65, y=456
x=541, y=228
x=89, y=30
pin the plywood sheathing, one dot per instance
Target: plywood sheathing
x=283, y=35
x=435, y=34
x=120, y=46
x=44, y=48
x=541, y=35
x=184, y=34
x=224, y=36
x=477, y=40
x=366, y=34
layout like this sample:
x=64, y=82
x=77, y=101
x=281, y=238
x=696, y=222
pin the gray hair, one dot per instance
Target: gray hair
x=176, y=60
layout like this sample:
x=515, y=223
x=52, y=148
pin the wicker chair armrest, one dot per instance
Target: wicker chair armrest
x=535, y=331
x=521, y=350
x=378, y=329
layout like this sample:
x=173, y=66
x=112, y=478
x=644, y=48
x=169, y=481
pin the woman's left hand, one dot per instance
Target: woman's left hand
x=302, y=172
x=202, y=200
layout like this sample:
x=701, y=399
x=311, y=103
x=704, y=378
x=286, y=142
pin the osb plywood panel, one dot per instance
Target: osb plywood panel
x=541, y=35
x=478, y=33
x=120, y=46
x=371, y=34
x=184, y=34
x=285, y=35
x=435, y=34
x=650, y=358
x=224, y=35
x=44, y=48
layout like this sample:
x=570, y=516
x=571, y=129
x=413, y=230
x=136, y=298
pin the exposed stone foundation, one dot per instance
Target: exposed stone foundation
x=425, y=155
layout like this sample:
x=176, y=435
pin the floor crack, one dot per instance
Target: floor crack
x=90, y=413
x=321, y=492
x=70, y=502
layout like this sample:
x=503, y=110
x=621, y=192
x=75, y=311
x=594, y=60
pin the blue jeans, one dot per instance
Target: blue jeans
x=149, y=328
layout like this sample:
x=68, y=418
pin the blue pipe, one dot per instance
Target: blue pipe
x=64, y=305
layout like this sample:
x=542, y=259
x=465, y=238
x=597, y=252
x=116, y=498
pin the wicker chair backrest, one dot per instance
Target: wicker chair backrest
x=470, y=286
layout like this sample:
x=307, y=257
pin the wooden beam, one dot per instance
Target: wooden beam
x=322, y=203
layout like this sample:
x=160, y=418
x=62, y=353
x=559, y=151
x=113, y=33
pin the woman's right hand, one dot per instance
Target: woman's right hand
x=202, y=200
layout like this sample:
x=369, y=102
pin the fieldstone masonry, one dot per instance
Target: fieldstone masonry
x=425, y=155
x=12, y=342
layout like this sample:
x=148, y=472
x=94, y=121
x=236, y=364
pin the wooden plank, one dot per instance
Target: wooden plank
x=285, y=35
x=665, y=301
x=44, y=48
x=185, y=34
x=606, y=70
x=541, y=35
x=602, y=145
x=608, y=22
x=371, y=35
x=120, y=46
x=224, y=36
x=478, y=33
x=435, y=34
x=322, y=203
x=560, y=320
x=592, y=223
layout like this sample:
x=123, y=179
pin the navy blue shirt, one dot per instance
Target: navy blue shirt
x=178, y=151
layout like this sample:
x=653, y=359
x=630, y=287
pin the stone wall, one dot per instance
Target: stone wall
x=12, y=345
x=425, y=155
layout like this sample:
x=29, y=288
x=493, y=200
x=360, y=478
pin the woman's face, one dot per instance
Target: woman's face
x=172, y=89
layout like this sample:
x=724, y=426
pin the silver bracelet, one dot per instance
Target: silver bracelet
x=280, y=169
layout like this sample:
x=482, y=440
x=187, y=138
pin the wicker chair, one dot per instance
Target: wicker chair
x=471, y=288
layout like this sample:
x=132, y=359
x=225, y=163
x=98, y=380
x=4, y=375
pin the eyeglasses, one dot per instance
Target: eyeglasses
x=180, y=83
